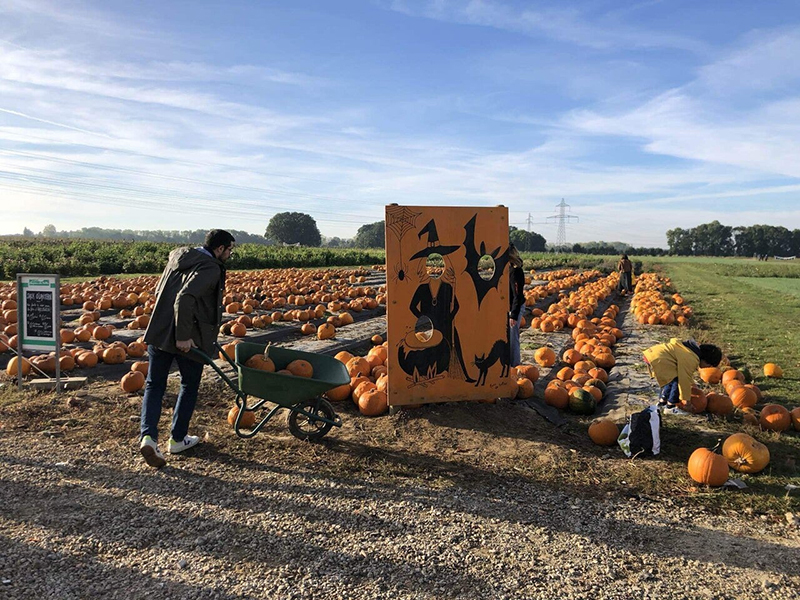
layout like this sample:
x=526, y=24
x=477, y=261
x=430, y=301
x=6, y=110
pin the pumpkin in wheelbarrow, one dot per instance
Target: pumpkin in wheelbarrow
x=258, y=361
x=300, y=368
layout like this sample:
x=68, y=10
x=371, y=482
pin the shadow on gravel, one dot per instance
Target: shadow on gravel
x=30, y=577
x=227, y=538
x=243, y=529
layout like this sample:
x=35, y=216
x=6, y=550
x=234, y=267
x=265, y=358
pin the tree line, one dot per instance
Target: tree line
x=716, y=239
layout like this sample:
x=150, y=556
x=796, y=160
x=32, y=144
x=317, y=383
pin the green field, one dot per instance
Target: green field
x=753, y=318
x=782, y=285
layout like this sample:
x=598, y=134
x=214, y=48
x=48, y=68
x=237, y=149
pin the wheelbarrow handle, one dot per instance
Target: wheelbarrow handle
x=210, y=362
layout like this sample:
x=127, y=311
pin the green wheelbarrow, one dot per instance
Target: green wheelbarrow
x=310, y=416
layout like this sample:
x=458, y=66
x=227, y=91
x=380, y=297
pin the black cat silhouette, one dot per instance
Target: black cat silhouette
x=484, y=363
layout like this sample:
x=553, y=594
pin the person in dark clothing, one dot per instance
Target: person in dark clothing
x=187, y=315
x=625, y=268
x=516, y=294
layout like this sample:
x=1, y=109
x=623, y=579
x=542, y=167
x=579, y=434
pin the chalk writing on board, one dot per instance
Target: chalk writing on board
x=38, y=314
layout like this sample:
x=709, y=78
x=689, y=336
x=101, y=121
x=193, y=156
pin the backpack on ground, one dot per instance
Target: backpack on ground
x=641, y=434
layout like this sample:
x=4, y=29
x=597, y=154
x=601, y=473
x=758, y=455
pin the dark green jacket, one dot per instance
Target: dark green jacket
x=188, y=302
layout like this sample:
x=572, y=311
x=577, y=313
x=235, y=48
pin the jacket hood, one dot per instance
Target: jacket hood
x=185, y=259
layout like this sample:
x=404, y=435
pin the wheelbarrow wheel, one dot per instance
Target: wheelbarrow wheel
x=306, y=429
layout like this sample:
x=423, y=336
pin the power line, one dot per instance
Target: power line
x=562, y=218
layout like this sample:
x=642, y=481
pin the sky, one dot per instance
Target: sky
x=195, y=114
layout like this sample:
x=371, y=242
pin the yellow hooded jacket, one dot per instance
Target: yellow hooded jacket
x=671, y=360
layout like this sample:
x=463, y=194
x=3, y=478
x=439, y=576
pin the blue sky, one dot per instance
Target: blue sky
x=182, y=115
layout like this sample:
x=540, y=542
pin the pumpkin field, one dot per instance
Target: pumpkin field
x=582, y=376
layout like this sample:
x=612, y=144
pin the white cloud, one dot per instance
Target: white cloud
x=557, y=22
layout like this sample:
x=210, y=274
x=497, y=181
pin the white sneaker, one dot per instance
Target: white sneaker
x=151, y=453
x=190, y=441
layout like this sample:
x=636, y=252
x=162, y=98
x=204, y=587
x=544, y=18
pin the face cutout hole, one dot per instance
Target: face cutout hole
x=423, y=329
x=435, y=265
x=486, y=267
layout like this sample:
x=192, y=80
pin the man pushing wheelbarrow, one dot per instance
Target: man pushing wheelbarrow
x=187, y=315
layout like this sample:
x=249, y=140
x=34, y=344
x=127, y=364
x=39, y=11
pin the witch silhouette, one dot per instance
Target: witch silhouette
x=435, y=351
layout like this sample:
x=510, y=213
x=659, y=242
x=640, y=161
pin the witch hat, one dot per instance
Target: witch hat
x=433, y=242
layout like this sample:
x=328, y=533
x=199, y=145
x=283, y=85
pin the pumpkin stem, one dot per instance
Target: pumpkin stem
x=719, y=443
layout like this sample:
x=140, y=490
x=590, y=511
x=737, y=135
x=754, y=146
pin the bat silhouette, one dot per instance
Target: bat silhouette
x=482, y=286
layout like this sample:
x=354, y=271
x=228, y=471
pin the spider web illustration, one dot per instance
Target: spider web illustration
x=401, y=220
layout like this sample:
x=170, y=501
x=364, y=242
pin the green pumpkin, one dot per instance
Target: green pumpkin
x=582, y=402
x=598, y=383
x=748, y=376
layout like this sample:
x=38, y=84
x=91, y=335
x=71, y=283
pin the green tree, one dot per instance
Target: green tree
x=680, y=241
x=27, y=233
x=49, y=231
x=294, y=228
x=527, y=241
x=372, y=235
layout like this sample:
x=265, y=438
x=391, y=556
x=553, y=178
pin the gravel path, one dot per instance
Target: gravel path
x=105, y=526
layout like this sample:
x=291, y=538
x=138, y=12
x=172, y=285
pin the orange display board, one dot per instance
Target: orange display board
x=448, y=302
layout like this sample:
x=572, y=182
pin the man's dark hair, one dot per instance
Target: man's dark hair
x=624, y=257
x=216, y=238
x=710, y=354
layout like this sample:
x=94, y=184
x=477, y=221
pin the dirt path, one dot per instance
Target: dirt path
x=427, y=505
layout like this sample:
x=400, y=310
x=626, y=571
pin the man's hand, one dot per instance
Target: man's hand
x=185, y=345
x=512, y=322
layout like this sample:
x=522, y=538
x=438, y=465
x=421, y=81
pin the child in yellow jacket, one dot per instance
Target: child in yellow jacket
x=673, y=366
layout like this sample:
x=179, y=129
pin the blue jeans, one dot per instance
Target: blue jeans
x=671, y=393
x=155, y=386
x=513, y=339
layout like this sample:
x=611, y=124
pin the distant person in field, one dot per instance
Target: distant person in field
x=625, y=268
x=673, y=365
x=186, y=315
x=516, y=284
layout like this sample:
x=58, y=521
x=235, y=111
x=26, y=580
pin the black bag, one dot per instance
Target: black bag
x=641, y=435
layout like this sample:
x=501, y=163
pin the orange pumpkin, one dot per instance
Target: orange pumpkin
x=545, y=357
x=796, y=418
x=775, y=417
x=343, y=356
x=326, y=331
x=556, y=396
x=132, y=381
x=13, y=366
x=86, y=359
x=743, y=397
x=357, y=366
x=362, y=388
x=719, y=404
x=524, y=388
x=338, y=394
x=707, y=467
x=773, y=370
x=745, y=454
x=565, y=374
x=141, y=366
x=300, y=368
x=373, y=403
x=248, y=418
x=257, y=361
x=711, y=375
x=528, y=371
x=697, y=403
x=731, y=374
x=599, y=373
x=604, y=432
x=114, y=355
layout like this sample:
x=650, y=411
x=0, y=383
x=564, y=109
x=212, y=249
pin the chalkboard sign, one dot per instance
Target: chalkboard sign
x=38, y=314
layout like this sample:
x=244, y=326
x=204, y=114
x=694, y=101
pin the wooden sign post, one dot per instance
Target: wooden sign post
x=39, y=318
x=447, y=283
